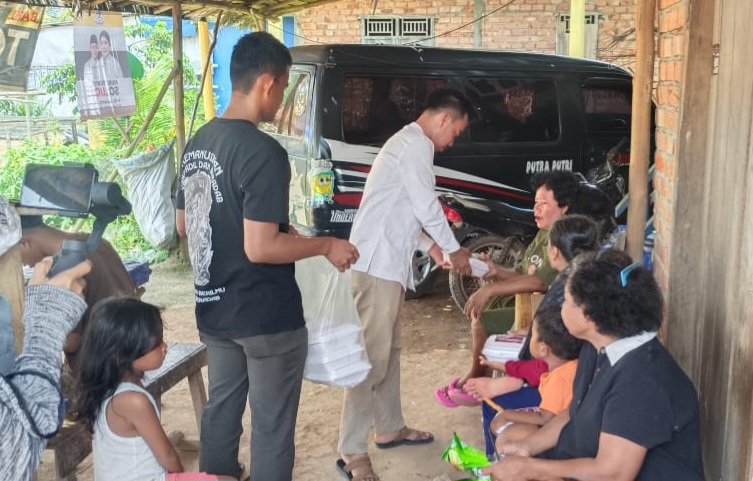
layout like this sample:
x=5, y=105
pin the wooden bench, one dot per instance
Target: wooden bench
x=73, y=443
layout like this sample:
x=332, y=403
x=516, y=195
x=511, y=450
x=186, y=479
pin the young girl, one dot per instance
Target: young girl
x=124, y=340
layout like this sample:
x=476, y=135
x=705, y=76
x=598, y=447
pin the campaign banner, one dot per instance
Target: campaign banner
x=103, y=78
x=19, y=29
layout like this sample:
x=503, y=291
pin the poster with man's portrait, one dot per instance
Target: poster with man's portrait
x=103, y=78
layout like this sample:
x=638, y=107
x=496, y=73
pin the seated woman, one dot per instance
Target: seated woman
x=634, y=413
x=569, y=237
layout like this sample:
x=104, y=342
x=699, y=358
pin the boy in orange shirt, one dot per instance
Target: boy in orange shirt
x=552, y=343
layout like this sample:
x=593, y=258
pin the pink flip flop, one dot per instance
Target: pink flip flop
x=442, y=394
x=458, y=396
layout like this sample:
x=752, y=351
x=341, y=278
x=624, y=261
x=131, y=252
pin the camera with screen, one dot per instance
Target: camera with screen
x=73, y=190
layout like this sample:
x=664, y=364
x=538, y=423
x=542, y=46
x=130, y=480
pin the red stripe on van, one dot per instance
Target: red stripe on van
x=486, y=188
x=350, y=200
x=361, y=168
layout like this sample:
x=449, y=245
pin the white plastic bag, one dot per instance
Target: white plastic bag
x=337, y=356
x=148, y=178
x=10, y=226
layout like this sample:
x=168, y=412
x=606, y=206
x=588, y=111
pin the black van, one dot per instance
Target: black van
x=535, y=113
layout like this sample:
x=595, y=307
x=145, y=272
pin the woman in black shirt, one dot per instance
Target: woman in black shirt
x=634, y=413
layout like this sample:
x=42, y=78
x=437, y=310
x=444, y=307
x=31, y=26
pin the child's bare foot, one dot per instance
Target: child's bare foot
x=479, y=387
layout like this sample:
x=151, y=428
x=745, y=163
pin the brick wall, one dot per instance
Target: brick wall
x=672, y=19
x=527, y=25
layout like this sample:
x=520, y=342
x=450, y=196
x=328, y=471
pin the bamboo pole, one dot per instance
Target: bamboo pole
x=207, y=91
x=577, y=42
x=180, y=118
x=204, y=75
x=641, y=128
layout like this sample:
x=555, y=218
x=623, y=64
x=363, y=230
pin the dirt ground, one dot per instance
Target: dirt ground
x=436, y=339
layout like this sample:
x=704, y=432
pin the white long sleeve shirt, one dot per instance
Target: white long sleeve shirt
x=400, y=200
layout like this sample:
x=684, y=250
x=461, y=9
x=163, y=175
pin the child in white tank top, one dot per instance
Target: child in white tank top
x=124, y=340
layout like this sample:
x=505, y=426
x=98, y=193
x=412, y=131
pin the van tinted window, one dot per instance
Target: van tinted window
x=290, y=118
x=514, y=110
x=375, y=107
x=607, y=107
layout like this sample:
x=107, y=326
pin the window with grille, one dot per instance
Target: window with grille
x=390, y=30
x=562, y=42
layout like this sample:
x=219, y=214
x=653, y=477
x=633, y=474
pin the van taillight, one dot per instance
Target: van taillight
x=623, y=159
x=451, y=214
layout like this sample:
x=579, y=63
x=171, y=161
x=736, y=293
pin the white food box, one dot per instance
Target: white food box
x=503, y=347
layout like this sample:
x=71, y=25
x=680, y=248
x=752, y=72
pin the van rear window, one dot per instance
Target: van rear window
x=375, y=107
x=290, y=119
x=608, y=107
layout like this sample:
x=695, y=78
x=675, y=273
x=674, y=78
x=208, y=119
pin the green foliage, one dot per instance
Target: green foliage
x=18, y=108
x=153, y=47
x=123, y=233
x=149, y=43
x=14, y=164
x=62, y=82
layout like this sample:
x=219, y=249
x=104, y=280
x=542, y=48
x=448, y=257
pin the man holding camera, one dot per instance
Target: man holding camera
x=108, y=276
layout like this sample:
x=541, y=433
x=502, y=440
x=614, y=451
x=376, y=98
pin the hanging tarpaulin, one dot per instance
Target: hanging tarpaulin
x=103, y=78
x=19, y=29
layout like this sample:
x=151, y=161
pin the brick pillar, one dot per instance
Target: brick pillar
x=672, y=20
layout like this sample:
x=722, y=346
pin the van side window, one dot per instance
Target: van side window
x=290, y=118
x=607, y=107
x=375, y=107
x=513, y=110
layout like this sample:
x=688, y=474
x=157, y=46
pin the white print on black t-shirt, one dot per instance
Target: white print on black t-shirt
x=197, y=190
x=204, y=161
x=209, y=296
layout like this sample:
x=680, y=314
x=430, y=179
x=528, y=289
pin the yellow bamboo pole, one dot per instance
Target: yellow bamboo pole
x=207, y=92
x=577, y=43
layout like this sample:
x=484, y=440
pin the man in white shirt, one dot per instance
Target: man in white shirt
x=399, y=213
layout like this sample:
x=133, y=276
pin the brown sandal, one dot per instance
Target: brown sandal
x=362, y=464
x=403, y=439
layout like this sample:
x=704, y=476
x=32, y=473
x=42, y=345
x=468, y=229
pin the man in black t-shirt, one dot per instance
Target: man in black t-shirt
x=233, y=206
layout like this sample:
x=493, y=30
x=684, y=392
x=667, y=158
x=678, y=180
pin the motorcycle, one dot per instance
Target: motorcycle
x=500, y=232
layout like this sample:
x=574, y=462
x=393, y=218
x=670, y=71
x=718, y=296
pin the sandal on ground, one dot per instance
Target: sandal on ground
x=403, y=439
x=362, y=464
x=458, y=395
x=443, y=396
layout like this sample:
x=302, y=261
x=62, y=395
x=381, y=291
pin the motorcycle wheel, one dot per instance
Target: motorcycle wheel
x=424, y=275
x=503, y=251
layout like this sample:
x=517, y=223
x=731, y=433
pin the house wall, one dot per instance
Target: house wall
x=704, y=215
x=526, y=25
x=672, y=40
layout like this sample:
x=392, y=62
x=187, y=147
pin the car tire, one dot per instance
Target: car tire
x=424, y=275
x=503, y=251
